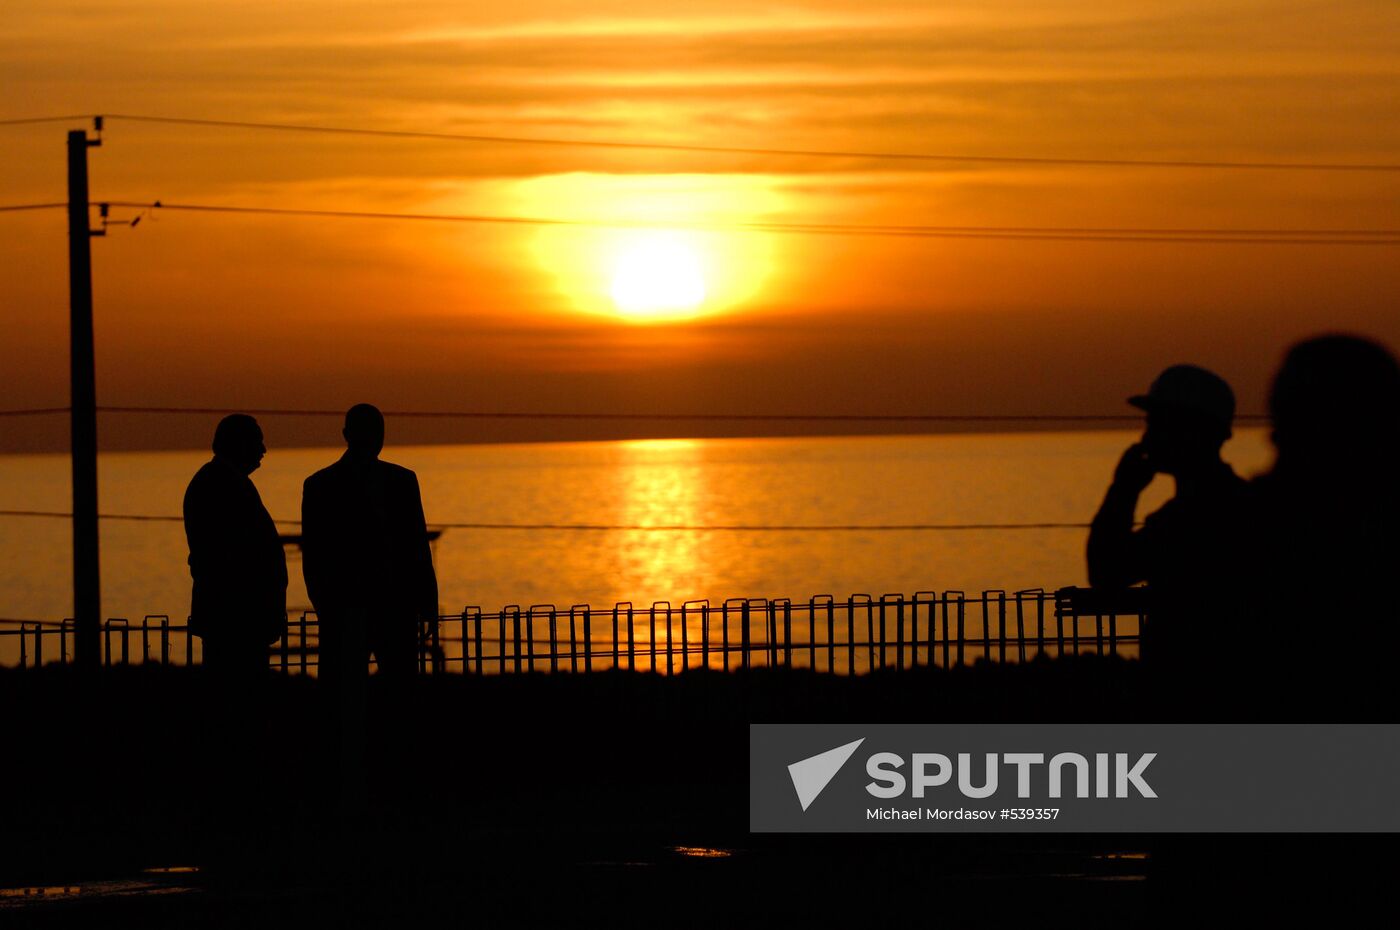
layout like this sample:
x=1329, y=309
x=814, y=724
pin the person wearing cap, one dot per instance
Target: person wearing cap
x=1189, y=551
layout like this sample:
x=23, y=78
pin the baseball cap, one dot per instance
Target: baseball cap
x=1190, y=389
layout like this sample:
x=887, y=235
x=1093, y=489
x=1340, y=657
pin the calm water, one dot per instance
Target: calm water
x=1010, y=478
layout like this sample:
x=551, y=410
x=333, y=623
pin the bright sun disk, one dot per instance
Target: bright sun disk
x=657, y=276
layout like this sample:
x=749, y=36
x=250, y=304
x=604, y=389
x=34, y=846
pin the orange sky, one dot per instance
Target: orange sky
x=275, y=312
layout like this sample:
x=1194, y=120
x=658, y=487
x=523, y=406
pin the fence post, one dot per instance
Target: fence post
x=830, y=634
x=651, y=622
x=1040, y=623
x=1001, y=625
x=616, y=660
x=770, y=631
x=705, y=635
x=987, y=625
x=553, y=638
x=744, y=635
x=851, y=634
x=704, y=607
x=477, y=636
x=962, y=624
x=897, y=600
x=913, y=629
x=724, y=632
x=932, y=604
x=553, y=617
x=787, y=632
x=616, y=664
x=685, y=638
x=869, y=630
x=884, y=639
x=587, y=635
x=631, y=640
x=573, y=641
x=1020, y=626
x=670, y=652
x=899, y=633
x=501, y=639
x=515, y=616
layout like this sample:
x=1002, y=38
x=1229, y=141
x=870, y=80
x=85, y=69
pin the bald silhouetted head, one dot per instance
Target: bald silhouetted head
x=364, y=430
x=238, y=440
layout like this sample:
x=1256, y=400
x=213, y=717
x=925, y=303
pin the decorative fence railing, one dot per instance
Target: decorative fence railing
x=858, y=634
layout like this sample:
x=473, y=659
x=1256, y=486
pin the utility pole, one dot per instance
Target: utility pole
x=87, y=596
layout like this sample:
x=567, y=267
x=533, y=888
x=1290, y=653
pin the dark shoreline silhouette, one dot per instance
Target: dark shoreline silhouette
x=521, y=782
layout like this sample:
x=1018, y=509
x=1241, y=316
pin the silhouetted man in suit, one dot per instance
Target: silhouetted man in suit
x=239, y=602
x=368, y=565
x=1190, y=552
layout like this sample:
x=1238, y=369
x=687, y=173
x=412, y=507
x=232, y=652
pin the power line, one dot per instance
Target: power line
x=32, y=120
x=719, y=417
x=629, y=527
x=134, y=517
x=33, y=411
x=1246, y=235
x=943, y=157
x=777, y=152
x=1046, y=233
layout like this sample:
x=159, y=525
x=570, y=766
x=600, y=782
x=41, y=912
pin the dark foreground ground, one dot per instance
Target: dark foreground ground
x=141, y=798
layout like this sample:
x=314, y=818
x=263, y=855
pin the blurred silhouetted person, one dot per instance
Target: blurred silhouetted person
x=1189, y=552
x=239, y=602
x=366, y=557
x=1328, y=518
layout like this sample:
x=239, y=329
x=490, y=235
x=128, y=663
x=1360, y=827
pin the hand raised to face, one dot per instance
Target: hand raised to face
x=1135, y=469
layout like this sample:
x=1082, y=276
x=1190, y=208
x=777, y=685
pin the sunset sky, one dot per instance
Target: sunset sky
x=258, y=311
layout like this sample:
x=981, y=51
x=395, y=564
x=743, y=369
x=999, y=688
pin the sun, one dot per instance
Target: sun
x=643, y=250
x=658, y=276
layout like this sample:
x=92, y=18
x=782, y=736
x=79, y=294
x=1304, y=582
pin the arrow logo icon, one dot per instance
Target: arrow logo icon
x=812, y=775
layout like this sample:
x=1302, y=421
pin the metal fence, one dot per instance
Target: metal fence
x=858, y=634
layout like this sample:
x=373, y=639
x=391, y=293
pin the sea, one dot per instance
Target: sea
x=579, y=522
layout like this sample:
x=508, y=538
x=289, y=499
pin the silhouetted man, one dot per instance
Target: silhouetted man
x=239, y=603
x=1327, y=542
x=366, y=556
x=1189, y=552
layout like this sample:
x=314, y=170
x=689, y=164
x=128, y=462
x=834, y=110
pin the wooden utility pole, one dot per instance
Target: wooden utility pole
x=87, y=597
